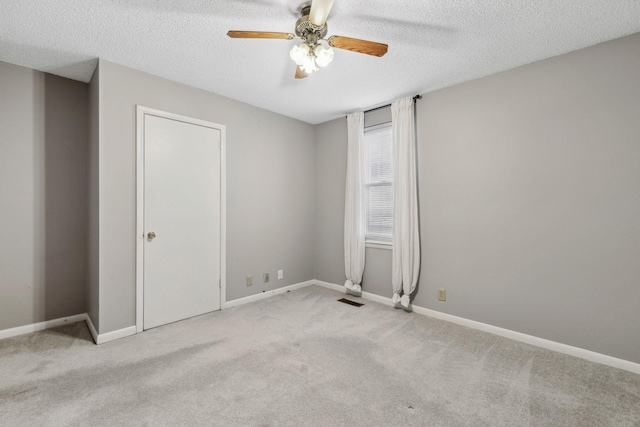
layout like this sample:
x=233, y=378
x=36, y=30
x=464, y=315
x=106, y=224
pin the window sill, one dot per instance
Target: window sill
x=378, y=245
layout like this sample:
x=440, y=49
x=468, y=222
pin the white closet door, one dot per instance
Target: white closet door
x=182, y=210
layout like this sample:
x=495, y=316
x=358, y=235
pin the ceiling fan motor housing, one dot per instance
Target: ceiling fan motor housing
x=308, y=31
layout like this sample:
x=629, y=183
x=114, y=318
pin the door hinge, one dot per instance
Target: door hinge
x=220, y=283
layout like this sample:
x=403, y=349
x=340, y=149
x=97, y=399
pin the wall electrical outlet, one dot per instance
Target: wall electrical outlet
x=442, y=295
x=265, y=277
x=249, y=280
x=280, y=274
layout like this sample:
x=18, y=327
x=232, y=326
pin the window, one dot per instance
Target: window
x=378, y=184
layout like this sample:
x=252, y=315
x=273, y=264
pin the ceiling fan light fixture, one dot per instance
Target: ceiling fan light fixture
x=311, y=28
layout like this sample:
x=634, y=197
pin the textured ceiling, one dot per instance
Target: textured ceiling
x=432, y=44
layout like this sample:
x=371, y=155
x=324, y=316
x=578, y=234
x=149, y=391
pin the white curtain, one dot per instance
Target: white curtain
x=353, y=210
x=405, y=265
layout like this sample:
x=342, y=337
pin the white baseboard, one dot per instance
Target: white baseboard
x=582, y=353
x=115, y=335
x=589, y=355
x=109, y=336
x=84, y=317
x=330, y=285
x=92, y=329
x=40, y=326
x=367, y=295
x=267, y=294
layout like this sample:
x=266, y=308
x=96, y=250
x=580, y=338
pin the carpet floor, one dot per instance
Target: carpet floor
x=302, y=358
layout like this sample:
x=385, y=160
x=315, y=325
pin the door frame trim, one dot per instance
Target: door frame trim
x=141, y=111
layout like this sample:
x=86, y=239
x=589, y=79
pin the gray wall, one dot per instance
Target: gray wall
x=93, y=215
x=330, y=170
x=270, y=188
x=529, y=187
x=43, y=148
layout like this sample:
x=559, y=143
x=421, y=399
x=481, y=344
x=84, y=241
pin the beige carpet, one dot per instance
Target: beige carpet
x=303, y=358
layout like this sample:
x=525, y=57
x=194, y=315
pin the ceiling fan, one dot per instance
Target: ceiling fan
x=312, y=28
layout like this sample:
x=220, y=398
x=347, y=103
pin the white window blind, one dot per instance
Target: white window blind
x=378, y=183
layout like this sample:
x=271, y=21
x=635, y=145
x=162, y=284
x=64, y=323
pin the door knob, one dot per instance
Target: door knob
x=151, y=235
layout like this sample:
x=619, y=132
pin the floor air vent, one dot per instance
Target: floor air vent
x=346, y=301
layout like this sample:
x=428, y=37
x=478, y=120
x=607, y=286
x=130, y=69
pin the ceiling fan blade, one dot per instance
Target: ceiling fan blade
x=300, y=73
x=259, y=35
x=320, y=11
x=357, y=45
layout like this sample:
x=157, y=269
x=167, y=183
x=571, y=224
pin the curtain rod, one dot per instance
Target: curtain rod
x=415, y=98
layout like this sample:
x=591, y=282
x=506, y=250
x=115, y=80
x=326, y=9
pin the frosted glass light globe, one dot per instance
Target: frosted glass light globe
x=299, y=53
x=323, y=55
x=309, y=64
